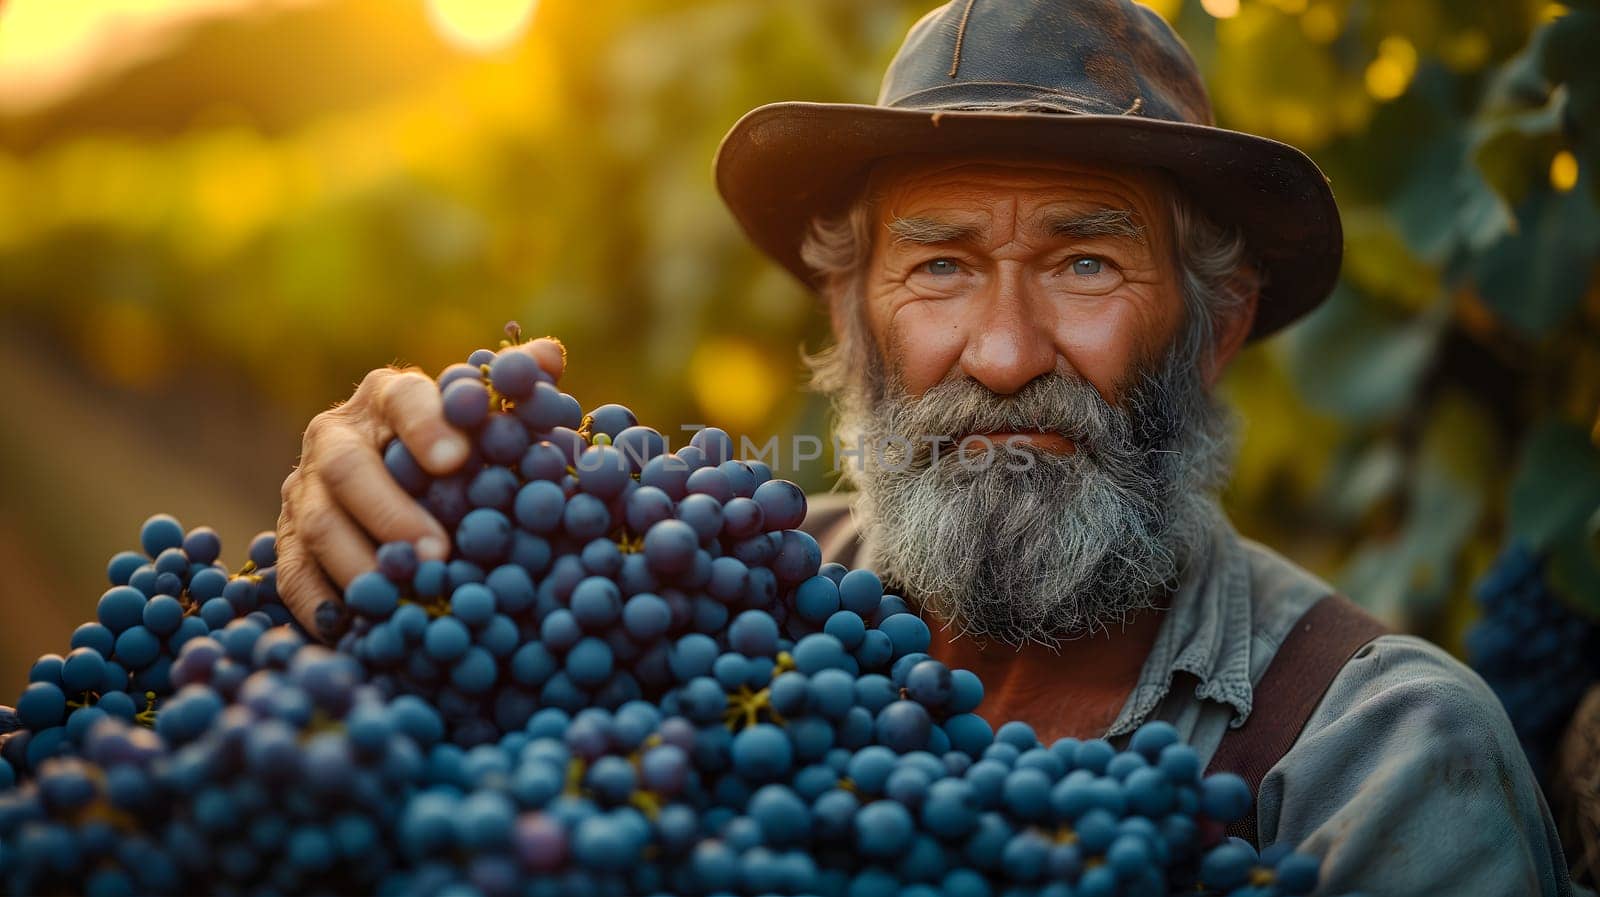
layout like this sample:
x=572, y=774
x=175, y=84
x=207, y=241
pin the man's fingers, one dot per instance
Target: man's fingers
x=409, y=403
x=360, y=487
x=303, y=588
x=335, y=542
x=548, y=351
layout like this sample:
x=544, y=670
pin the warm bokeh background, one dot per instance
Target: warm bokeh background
x=216, y=214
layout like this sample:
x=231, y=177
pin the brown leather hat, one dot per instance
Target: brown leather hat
x=1096, y=79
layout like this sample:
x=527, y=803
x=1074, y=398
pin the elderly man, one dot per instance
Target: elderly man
x=1039, y=256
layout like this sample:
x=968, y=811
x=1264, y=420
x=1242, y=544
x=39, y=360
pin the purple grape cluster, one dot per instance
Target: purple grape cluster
x=124, y=663
x=633, y=675
x=585, y=551
x=1538, y=654
x=289, y=781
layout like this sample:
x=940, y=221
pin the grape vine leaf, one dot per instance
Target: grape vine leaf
x=1447, y=206
x=1356, y=360
x=1536, y=276
x=1413, y=570
x=1555, y=508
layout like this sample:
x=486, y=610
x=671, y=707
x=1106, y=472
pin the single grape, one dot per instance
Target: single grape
x=466, y=404
x=372, y=595
x=160, y=533
x=502, y=439
x=883, y=829
x=514, y=373
x=783, y=505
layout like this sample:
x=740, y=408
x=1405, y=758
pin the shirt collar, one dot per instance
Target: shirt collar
x=1206, y=633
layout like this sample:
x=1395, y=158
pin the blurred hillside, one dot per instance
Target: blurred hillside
x=218, y=215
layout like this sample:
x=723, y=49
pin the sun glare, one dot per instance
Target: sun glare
x=47, y=47
x=481, y=26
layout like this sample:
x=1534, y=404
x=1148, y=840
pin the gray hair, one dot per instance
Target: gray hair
x=1211, y=258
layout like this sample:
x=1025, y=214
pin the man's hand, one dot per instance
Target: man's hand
x=341, y=501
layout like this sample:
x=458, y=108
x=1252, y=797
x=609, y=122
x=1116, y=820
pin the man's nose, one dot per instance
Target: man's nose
x=1007, y=344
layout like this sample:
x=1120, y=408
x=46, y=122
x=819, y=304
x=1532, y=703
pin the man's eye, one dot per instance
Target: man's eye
x=941, y=266
x=1088, y=266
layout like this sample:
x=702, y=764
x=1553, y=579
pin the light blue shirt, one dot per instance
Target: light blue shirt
x=1407, y=779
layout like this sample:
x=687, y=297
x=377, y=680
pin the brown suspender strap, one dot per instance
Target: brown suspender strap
x=1313, y=653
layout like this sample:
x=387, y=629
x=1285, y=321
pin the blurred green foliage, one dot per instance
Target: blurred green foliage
x=239, y=225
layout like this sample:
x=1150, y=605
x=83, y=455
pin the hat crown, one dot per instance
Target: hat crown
x=1086, y=57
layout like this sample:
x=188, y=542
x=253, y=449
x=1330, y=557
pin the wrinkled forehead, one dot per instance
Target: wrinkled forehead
x=900, y=184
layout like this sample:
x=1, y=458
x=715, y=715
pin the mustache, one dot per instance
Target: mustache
x=958, y=408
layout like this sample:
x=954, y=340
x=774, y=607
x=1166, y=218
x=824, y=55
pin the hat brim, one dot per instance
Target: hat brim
x=783, y=164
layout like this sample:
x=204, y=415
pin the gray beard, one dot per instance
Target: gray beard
x=1036, y=546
